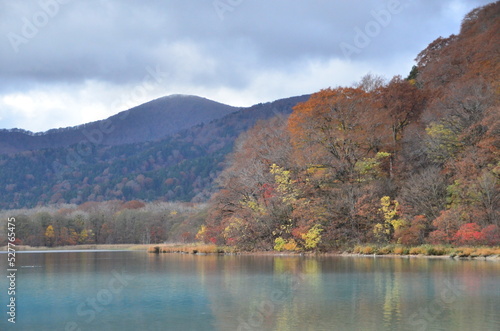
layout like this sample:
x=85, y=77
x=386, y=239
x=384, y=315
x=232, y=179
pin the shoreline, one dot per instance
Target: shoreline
x=147, y=248
x=215, y=250
x=86, y=247
x=345, y=254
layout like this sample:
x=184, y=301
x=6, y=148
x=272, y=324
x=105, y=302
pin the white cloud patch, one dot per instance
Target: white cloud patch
x=93, y=58
x=61, y=106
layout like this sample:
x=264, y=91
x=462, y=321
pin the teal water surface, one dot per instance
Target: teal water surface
x=126, y=290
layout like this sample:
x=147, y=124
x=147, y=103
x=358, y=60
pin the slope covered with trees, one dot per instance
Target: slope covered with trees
x=413, y=160
x=180, y=167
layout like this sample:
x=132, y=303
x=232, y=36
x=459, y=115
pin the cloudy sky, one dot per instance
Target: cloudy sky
x=67, y=62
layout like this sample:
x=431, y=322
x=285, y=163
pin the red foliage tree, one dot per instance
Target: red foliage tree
x=438, y=237
x=491, y=235
x=414, y=234
x=469, y=234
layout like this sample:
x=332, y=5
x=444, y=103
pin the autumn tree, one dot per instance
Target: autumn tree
x=424, y=193
x=50, y=236
x=329, y=130
x=339, y=139
x=370, y=83
x=245, y=211
x=401, y=104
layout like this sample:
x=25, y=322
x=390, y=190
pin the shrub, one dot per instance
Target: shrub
x=491, y=235
x=281, y=244
x=368, y=250
x=469, y=234
x=291, y=245
x=385, y=250
x=438, y=250
x=419, y=250
x=464, y=251
x=364, y=249
x=401, y=250
x=357, y=249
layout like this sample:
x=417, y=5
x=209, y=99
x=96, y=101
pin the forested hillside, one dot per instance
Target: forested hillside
x=411, y=160
x=180, y=167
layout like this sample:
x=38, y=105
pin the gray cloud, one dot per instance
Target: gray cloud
x=47, y=44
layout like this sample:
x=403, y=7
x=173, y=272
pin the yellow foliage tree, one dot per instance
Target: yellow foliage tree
x=201, y=233
x=82, y=238
x=285, y=183
x=392, y=222
x=285, y=245
x=313, y=237
x=49, y=235
x=442, y=142
x=369, y=167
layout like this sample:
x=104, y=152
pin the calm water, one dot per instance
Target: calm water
x=140, y=291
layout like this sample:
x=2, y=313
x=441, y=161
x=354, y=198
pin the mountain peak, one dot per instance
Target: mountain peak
x=152, y=120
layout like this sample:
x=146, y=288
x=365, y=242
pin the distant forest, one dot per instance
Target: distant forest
x=179, y=167
x=410, y=160
x=110, y=222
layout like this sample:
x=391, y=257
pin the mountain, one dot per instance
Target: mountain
x=150, y=121
x=180, y=167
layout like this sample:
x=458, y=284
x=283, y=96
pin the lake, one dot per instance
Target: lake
x=127, y=290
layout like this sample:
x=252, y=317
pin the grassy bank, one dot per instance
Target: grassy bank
x=427, y=250
x=191, y=249
x=366, y=249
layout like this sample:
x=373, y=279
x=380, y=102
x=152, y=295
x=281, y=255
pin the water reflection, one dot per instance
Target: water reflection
x=190, y=292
